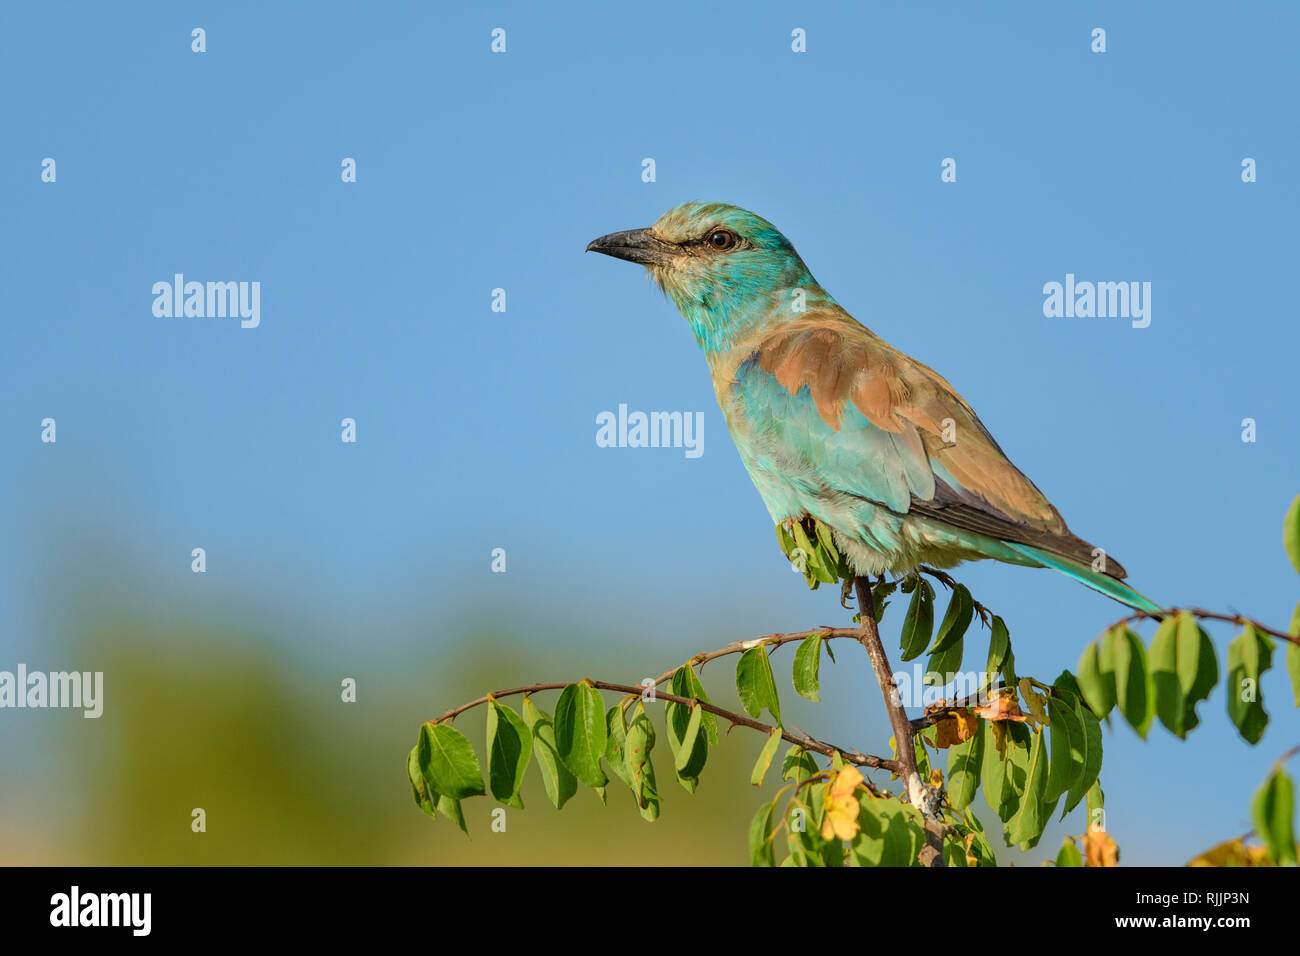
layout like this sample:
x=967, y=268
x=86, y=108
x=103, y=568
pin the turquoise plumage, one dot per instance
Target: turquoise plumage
x=832, y=422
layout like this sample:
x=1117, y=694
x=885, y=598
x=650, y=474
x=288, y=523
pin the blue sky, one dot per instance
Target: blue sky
x=476, y=429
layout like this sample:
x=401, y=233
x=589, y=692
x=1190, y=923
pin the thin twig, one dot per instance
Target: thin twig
x=1277, y=764
x=804, y=741
x=1211, y=615
x=766, y=640
x=932, y=717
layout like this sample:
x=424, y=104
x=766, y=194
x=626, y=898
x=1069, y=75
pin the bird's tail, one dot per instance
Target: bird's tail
x=1111, y=587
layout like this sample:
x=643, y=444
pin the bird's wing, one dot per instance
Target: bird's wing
x=891, y=425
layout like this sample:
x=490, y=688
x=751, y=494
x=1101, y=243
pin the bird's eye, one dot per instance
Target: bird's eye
x=721, y=240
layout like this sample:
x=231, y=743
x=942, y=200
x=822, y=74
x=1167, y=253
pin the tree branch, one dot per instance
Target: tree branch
x=917, y=793
x=803, y=740
x=1204, y=614
x=932, y=717
x=769, y=640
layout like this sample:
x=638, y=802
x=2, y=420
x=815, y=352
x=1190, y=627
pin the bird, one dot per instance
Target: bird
x=833, y=423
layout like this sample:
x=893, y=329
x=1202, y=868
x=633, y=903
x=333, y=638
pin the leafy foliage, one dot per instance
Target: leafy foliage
x=1029, y=747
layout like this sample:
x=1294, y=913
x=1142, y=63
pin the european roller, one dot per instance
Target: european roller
x=834, y=423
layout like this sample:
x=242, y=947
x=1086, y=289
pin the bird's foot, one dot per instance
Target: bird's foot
x=846, y=594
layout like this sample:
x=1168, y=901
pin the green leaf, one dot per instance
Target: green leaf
x=510, y=748
x=1273, y=811
x=755, y=684
x=424, y=799
x=686, y=683
x=765, y=756
x=1198, y=668
x=964, y=763
x=1133, y=692
x=999, y=648
x=993, y=770
x=1097, y=687
x=816, y=570
x=878, y=595
x=922, y=756
x=980, y=847
x=448, y=763
x=1171, y=704
x=919, y=622
x=580, y=732
x=1019, y=743
x=890, y=834
x=961, y=609
x=1069, y=854
x=797, y=764
x=1067, y=683
x=1069, y=746
x=690, y=737
x=942, y=667
x=1091, y=756
x=1029, y=822
x=1096, y=803
x=800, y=557
x=690, y=748
x=762, y=848
x=946, y=652
x=560, y=784
x=616, y=743
x=803, y=814
x=954, y=854
x=638, y=766
x=785, y=539
x=1106, y=665
x=807, y=666
x=451, y=809
x=1291, y=533
x=869, y=844
x=1293, y=670
x=1004, y=776
x=801, y=540
x=1008, y=662
x=904, y=836
x=827, y=553
x=1248, y=657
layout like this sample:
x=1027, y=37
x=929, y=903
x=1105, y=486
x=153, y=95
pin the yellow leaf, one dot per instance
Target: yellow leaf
x=1099, y=849
x=1002, y=708
x=1233, y=853
x=1037, y=702
x=956, y=728
x=1000, y=738
x=840, y=816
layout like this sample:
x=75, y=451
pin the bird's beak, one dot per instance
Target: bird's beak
x=634, y=245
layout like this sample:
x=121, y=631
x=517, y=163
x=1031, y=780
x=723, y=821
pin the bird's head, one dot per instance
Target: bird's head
x=723, y=266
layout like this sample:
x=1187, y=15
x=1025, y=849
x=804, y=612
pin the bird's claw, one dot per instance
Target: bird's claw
x=846, y=592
